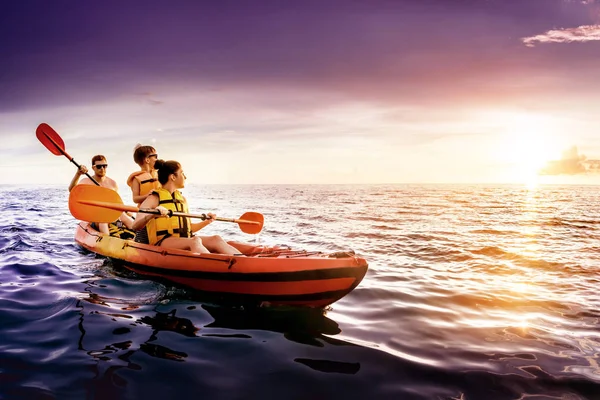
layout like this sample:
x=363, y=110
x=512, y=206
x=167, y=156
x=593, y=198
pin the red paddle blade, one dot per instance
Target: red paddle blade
x=50, y=139
x=252, y=228
x=83, y=200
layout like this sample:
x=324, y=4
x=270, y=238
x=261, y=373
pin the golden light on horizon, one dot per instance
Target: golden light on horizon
x=526, y=143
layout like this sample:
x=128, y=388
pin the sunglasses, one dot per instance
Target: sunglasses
x=100, y=166
x=153, y=155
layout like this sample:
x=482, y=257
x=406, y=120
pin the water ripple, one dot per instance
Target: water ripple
x=473, y=292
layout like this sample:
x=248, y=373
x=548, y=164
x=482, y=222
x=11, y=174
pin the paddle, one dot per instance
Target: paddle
x=98, y=204
x=55, y=144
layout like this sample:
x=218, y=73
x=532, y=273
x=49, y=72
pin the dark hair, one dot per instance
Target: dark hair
x=165, y=169
x=98, y=157
x=141, y=152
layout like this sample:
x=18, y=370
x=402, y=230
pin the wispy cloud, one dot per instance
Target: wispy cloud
x=571, y=163
x=584, y=33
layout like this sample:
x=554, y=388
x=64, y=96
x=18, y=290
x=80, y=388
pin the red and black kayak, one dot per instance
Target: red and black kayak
x=260, y=274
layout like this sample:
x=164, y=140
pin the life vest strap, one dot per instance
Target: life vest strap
x=170, y=201
x=181, y=232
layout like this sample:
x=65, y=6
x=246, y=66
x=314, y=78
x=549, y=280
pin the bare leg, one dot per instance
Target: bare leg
x=216, y=244
x=193, y=244
x=126, y=220
x=103, y=227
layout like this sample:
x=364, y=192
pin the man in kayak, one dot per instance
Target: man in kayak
x=174, y=231
x=99, y=164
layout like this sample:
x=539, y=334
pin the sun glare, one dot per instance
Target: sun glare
x=526, y=143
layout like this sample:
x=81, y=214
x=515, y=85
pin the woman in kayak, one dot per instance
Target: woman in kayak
x=172, y=231
x=144, y=181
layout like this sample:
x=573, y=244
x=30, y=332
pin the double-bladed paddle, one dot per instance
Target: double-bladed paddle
x=99, y=204
x=55, y=144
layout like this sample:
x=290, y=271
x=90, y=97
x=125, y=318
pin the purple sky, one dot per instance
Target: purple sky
x=415, y=61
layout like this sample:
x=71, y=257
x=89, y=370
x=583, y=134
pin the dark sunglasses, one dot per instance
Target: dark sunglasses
x=153, y=155
x=99, y=166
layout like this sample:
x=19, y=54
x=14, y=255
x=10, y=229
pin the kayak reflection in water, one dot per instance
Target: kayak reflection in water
x=173, y=231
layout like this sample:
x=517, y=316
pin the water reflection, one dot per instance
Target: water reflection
x=170, y=322
x=330, y=366
x=136, y=329
x=160, y=321
x=109, y=359
x=308, y=327
x=297, y=325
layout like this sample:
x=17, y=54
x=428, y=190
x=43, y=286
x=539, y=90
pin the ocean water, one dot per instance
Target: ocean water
x=473, y=292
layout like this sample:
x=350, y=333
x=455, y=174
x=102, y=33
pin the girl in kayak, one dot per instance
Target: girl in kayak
x=173, y=231
x=144, y=181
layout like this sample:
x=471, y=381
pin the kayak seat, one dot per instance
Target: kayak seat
x=342, y=254
x=117, y=229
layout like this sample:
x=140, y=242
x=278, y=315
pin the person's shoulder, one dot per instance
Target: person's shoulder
x=113, y=184
x=181, y=195
x=109, y=183
x=152, y=201
x=85, y=181
x=134, y=175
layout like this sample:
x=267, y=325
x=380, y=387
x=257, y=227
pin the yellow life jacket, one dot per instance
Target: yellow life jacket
x=147, y=182
x=161, y=228
x=119, y=230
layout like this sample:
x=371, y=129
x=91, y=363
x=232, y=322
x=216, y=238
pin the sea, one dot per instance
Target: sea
x=473, y=292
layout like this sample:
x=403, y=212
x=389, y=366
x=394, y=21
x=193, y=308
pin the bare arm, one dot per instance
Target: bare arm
x=135, y=189
x=126, y=220
x=82, y=170
x=142, y=218
x=199, y=225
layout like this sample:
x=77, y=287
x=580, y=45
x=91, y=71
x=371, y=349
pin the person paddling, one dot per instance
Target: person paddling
x=99, y=164
x=144, y=181
x=172, y=231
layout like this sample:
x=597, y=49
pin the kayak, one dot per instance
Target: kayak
x=260, y=275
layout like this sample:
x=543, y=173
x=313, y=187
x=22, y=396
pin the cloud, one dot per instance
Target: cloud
x=571, y=163
x=584, y=33
x=150, y=98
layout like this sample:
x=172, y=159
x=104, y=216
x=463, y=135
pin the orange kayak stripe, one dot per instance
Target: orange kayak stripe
x=262, y=288
x=357, y=272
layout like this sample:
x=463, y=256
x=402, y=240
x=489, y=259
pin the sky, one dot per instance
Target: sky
x=297, y=92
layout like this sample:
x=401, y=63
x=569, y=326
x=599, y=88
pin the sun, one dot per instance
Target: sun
x=525, y=144
x=531, y=152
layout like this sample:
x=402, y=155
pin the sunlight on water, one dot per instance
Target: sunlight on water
x=532, y=181
x=522, y=288
x=472, y=292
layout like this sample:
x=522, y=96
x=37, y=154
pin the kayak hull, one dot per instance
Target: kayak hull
x=264, y=276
